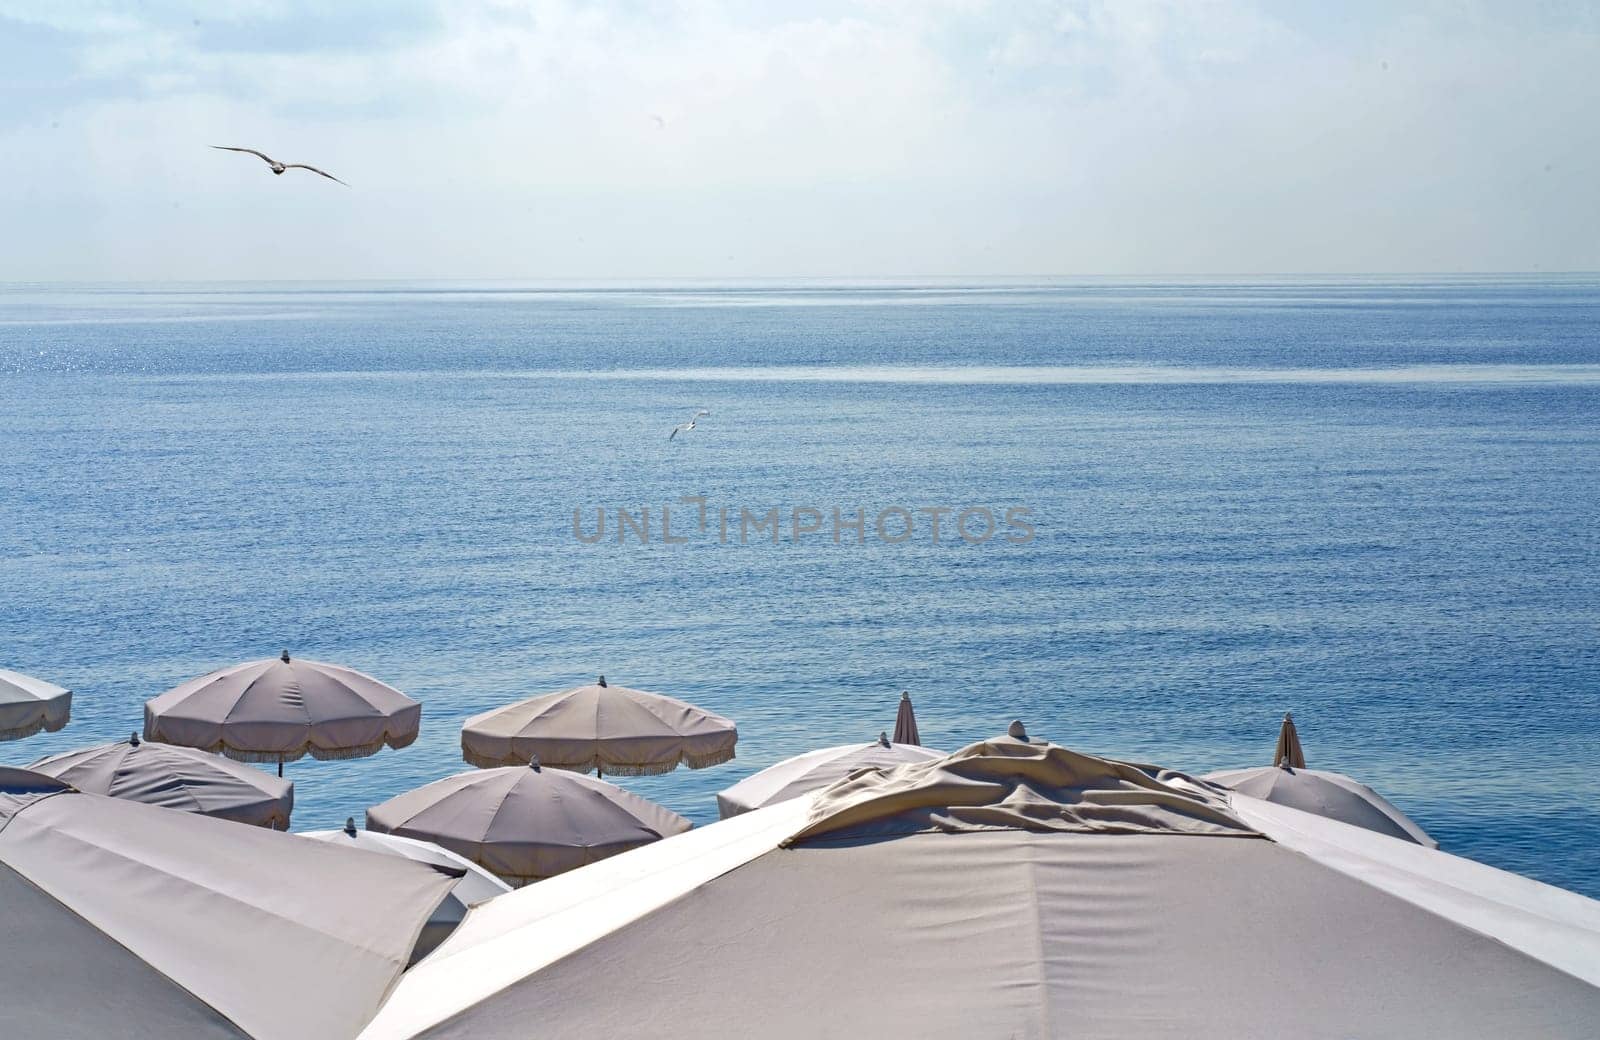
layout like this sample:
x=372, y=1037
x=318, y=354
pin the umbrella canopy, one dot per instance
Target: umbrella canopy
x=1333, y=795
x=526, y=823
x=1017, y=889
x=127, y=920
x=28, y=705
x=475, y=885
x=1288, y=752
x=815, y=770
x=610, y=729
x=905, y=722
x=175, y=778
x=279, y=710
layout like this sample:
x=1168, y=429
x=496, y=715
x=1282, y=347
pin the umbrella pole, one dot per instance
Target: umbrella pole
x=280, y=765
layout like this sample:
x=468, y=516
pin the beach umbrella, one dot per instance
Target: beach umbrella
x=1288, y=752
x=525, y=823
x=905, y=722
x=127, y=920
x=815, y=770
x=279, y=710
x=1334, y=795
x=175, y=778
x=28, y=705
x=609, y=729
x=1015, y=889
x=475, y=885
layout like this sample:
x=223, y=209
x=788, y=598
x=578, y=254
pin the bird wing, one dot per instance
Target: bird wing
x=252, y=151
x=674, y=432
x=313, y=169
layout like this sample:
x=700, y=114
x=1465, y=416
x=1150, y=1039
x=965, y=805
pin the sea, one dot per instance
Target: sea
x=1170, y=511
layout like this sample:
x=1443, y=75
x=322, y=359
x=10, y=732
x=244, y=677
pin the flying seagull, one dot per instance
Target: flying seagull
x=278, y=167
x=686, y=427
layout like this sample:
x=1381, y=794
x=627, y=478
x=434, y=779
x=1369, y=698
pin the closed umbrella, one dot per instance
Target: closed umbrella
x=279, y=710
x=1288, y=752
x=28, y=705
x=815, y=770
x=526, y=823
x=1333, y=795
x=905, y=722
x=609, y=729
x=127, y=920
x=475, y=885
x=1016, y=889
x=176, y=778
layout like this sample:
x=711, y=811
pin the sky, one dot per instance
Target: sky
x=548, y=140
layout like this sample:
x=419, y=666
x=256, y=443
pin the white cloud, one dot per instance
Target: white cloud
x=700, y=139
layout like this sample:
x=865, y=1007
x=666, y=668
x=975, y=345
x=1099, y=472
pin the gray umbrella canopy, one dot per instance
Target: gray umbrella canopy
x=610, y=729
x=1332, y=795
x=526, y=823
x=905, y=722
x=475, y=885
x=1016, y=889
x=815, y=770
x=176, y=778
x=279, y=710
x=28, y=705
x=126, y=920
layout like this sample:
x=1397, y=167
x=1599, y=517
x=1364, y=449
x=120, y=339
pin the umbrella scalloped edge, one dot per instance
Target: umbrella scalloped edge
x=693, y=761
x=43, y=724
x=318, y=753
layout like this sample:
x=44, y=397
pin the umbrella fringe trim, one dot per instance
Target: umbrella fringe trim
x=25, y=731
x=693, y=761
x=318, y=753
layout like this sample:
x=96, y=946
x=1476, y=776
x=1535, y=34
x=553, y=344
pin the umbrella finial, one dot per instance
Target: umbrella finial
x=533, y=763
x=602, y=681
x=883, y=738
x=905, y=695
x=1017, y=731
x=133, y=738
x=284, y=657
x=350, y=826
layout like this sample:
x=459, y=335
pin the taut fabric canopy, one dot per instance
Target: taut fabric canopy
x=279, y=710
x=611, y=729
x=176, y=778
x=475, y=885
x=905, y=722
x=1017, y=890
x=28, y=705
x=525, y=823
x=1333, y=795
x=127, y=920
x=815, y=770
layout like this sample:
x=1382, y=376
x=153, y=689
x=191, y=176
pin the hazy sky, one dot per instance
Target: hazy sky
x=541, y=140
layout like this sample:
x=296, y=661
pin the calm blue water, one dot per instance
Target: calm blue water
x=1370, y=501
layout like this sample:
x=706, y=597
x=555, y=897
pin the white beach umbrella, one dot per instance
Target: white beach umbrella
x=905, y=721
x=28, y=705
x=279, y=710
x=1017, y=889
x=1334, y=795
x=475, y=885
x=127, y=920
x=176, y=777
x=608, y=729
x=815, y=770
x=525, y=823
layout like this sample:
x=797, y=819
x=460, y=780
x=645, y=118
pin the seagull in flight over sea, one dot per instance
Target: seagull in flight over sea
x=686, y=427
x=278, y=167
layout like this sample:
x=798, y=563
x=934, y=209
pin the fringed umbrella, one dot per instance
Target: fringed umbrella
x=525, y=823
x=28, y=705
x=608, y=729
x=176, y=777
x=279, y=710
